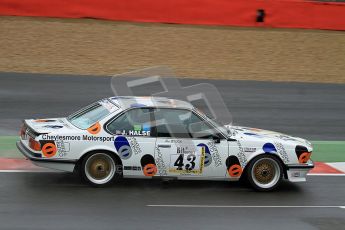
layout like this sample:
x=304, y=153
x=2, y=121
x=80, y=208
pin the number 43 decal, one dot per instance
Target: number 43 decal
x=188, y=166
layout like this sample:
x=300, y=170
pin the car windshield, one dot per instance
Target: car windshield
x=91, y=114
x=214, y=122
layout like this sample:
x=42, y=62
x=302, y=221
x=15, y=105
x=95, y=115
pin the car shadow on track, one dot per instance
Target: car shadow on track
x=73, y=180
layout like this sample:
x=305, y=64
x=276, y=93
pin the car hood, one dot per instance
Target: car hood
x=266, y=135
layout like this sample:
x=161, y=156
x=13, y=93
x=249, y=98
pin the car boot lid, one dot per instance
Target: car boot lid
x=48, y=125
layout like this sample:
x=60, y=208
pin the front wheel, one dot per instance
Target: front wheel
x=264, y=173
x=98, y=169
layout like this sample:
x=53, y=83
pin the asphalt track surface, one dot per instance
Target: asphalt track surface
x=61, y=201
x=312, y=111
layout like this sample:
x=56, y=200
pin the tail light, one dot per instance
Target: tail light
x=22, y=131
x=35, y=145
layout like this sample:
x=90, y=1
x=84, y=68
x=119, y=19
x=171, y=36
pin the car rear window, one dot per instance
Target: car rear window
x=91, y=114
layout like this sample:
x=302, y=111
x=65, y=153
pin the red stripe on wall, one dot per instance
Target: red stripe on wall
x=279, y=13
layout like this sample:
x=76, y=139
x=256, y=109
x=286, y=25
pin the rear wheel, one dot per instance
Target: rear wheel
x=98, y=169
x=264, y=173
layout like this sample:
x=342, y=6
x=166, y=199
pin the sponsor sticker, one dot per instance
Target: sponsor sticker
x=249, y=149
x=137, y=127
x=146, y=127
x=187, y=163
x=241, y=154
x=235, y=170
x=150, y=170
x=94, y=129
x=49, y=150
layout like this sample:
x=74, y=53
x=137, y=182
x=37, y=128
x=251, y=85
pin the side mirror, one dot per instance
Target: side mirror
x=231, y=139
x=216, y=139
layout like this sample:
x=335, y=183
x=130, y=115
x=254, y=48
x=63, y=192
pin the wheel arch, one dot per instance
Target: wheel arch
x=117, y=158
x=276, y=156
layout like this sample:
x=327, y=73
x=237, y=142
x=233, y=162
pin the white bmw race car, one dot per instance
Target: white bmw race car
x=148, y=137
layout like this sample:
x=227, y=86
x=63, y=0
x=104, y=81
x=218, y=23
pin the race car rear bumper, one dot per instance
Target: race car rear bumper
x=298, y=172
x=58, y=164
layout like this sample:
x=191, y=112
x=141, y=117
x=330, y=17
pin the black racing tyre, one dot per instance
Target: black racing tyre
x=264, y=173
x=99, y=169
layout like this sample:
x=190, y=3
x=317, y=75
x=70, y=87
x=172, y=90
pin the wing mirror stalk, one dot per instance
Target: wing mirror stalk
x=216, y=139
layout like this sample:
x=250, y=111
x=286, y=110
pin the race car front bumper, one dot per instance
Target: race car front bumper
x=298, y=172
x=58, y=164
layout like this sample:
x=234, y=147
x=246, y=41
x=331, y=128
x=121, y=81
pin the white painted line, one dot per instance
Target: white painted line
x=242, y=206
x=325, y=174
x=26, y=171
x=338, y=165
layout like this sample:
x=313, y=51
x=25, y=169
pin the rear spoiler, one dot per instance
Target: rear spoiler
x=30, y=130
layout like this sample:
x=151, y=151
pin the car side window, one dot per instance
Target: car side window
x=135, y=122
x=180, y=123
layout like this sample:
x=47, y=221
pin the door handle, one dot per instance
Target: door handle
x=164, y=146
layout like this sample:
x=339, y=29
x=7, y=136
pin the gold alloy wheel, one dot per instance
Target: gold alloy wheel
x=100, y=168
x=266, y=172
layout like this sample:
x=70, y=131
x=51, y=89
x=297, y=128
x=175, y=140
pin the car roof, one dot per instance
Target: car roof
x=125, y=102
